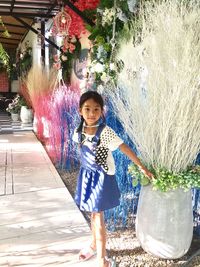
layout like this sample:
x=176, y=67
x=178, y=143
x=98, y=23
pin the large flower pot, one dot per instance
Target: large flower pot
x=26, y=115
x=164, y=224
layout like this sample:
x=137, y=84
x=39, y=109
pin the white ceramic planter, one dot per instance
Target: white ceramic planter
x=15, y=116
x=26, y=115
x=164, y=224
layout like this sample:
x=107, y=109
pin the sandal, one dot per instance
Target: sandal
x=86, y=253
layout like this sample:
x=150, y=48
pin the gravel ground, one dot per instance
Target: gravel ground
x=124, y=247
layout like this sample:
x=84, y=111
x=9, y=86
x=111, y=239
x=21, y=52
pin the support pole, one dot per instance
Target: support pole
x=43, y=42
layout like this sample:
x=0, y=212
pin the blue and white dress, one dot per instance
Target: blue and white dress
x=97, y=189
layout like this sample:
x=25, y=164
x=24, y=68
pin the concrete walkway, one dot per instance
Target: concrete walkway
x=39, y=223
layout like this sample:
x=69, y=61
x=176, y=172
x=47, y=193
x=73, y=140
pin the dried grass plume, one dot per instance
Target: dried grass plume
x=158, y=97
x=39, y=81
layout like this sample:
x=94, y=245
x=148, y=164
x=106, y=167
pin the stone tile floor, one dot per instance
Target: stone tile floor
x=40, y=224
x=7, y=126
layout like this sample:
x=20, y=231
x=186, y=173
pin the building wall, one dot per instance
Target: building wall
x=4, y=83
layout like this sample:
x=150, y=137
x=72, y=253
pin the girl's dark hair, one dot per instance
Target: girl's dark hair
x=91, y=95
x=86, y=96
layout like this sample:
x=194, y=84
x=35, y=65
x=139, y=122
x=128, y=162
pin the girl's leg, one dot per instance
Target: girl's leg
x=87, y=252
x=100, y=234
x=93, y=243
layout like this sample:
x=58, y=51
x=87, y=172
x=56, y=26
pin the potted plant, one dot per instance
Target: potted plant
x=14, y=108
x=26, y=114
x=172, y=192
x=157, y=101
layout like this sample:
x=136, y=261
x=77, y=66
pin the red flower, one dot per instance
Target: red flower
x=77, y=26
x=87, y=4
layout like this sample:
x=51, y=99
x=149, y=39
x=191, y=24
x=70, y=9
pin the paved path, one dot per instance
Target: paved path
x=40, y=225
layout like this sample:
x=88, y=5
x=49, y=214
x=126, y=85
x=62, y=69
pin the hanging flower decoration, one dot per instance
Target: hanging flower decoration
x=69, y=44
x=71, y=47
x=61, y=23
x=70, y=26
x=67, y=22
x=77, y=25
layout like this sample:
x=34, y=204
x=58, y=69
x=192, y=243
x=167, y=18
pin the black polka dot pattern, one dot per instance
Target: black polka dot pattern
x=101, y=154
x=101, y=151
x=108, y=141
x=107, y=136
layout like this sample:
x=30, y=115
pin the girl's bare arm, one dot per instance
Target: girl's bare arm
x=132, y=156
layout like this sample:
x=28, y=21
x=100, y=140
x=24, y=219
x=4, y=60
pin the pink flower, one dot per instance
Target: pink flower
x=57, y=65
x=72, y=47
x=56, y=58
x=65, y=48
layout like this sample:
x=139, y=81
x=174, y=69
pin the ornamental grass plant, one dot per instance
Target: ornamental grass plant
x=39, y=86
x=158, y=94
x=55, y=114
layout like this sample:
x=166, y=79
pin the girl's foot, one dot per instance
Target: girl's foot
x=86, y=253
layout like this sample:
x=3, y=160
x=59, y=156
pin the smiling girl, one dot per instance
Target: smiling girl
x=97, y=189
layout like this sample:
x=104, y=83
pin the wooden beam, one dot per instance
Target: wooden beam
x=10, y=38
x=16, y=33
x=14, y=25
x=26, y=7
x=9, y=43
x=26, y=15
x=46, y=3
x=52, y=7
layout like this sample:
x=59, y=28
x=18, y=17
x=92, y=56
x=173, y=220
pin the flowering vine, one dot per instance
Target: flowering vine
x=71, y=47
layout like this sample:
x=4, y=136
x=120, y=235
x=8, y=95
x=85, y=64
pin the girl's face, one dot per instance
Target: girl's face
x=91, y=112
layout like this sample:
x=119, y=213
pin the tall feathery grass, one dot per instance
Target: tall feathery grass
x=40, y=82
x=64, y=118
x=39, y=86
x=55, y=114
x=158, y=97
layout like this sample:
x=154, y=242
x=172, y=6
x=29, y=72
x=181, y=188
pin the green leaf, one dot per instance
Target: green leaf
x=144, y=181
x=96, y=31
x=100, y=40
x=89, y=28
x=134, y=182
